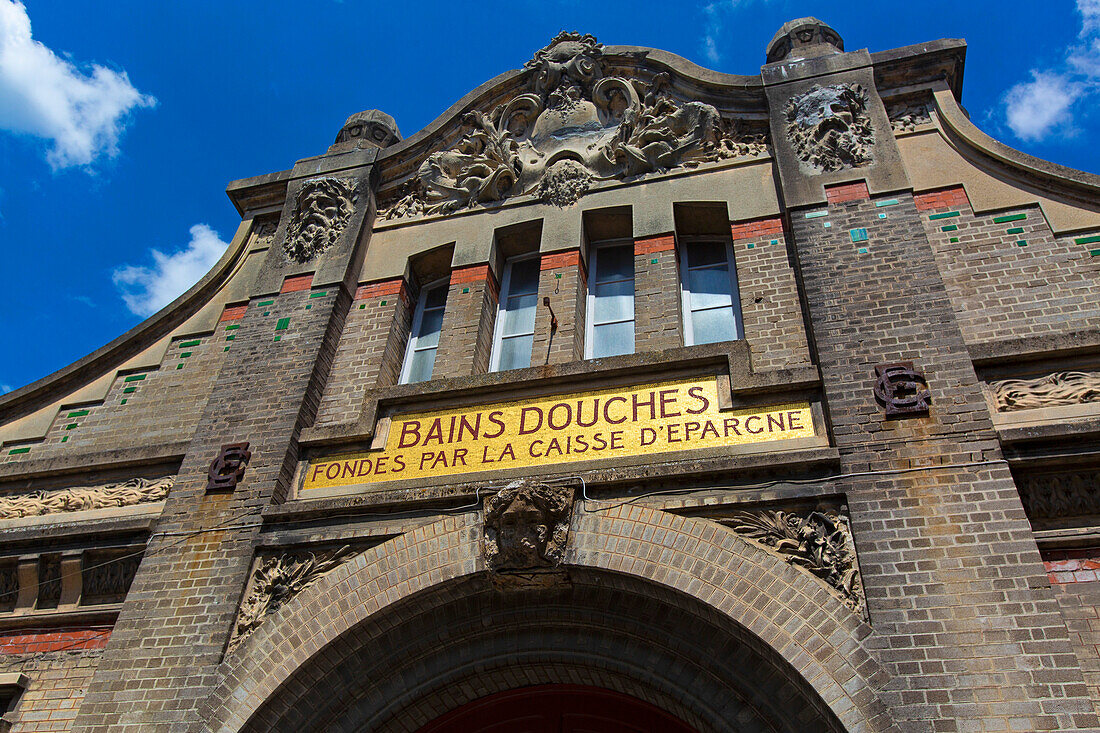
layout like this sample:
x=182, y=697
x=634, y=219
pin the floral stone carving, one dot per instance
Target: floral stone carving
x=526, y=526
x=908, y=117
x=1060, y=388
x=829, y=127
x=574, y=126
x=819, y=541
x=279, y=578
x=125, y=493
x=321, y=211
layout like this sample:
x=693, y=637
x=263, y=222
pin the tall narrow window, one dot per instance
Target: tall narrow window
x=424, y=337
x=515, y=330
x=712, y=310
x=610, y=300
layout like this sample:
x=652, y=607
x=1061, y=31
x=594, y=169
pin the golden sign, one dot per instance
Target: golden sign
x=567, y=428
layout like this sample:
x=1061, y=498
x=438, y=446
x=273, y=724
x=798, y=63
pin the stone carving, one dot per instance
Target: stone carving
x=902, y=390
x=125, y=493
x=321, y=211
x=1055, y=495
x=526, y=526
x=574, y=126
x=227, y=469
x=49, y=581
x=819, y=541
x=1060, y=388
x=9, y=587
x=829, y=127
x=279, y=578
x=107, y=580
x=264, y=233
x=370, y=129
x=907, y=117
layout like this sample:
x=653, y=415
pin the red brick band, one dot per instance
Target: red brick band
x=570, y=258
x=759, y=228
x=1072, y=566
x=651, y=245
x=381, y=289
x=470, y=274
x=233, y=312
x=945, y=198
x=847, y=192
x=297, y=283
x=54, y=640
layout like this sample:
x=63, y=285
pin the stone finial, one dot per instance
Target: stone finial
x=371, y=128
x=804, y=38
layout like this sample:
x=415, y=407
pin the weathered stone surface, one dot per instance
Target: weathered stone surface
x=78, y=499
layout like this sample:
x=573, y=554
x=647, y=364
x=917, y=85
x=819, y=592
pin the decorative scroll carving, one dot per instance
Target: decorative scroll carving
x=1060, y=388
x=107, y=579
x=573, y=127
x=829, y=127
x=126, y=493
x=526, y=526
x=279, y=578
x=1064, y=494
x=907, y=117
x=322, y=209
x=902, y=390
x=819, y=541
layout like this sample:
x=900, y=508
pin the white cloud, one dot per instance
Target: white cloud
x=1036, y=109
x=715, y=16
x=148, y=289
x=5, y=388
x=82, y=112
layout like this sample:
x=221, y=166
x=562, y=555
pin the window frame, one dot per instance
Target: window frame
x=502, y=298
x=414, y=329
x=589, y=305
x=685, y=294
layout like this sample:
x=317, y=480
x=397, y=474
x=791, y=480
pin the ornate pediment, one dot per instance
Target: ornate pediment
x=575, y=126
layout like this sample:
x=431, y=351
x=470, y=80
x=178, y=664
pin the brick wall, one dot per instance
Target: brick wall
x=58, y=683
x=770, y=307
x=656, y=294
x=562, y=281
x=1008, y=275
x=956, y=591
x=467, y=336
x=1073, y=576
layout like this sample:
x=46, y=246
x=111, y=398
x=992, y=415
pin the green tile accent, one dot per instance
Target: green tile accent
x=882, y=216
x=179, y=366
x=234, y=327
x=65, y=439
x=653, y=261
x=750, y=245
x=1088, y=240
x=322, y=294
x=135, y=378
x=17, y=451
x=887, y=202
x=858, y=235
x=78, y=413
x=123, y=401
x=465, y=290
x=382, y=303
x=949, y=228
x=226, y=349
x=863, y=250
x=267, y=313
x=1010, y=217
x=71, y=426
x=944, y=215
x=185, y=354
x=189, y=344
x=1021, y=242
x=364, y=305
x=815, y=214
x=1015, y=230
x=231, y=338
x=129, y=390
x=266, y=302
x=283, y=324
x=278, y=338
x=1094, y=253
x=827, y=224
x=775, y=241
x=557, y=276
x=954, y=240
x=308, y=307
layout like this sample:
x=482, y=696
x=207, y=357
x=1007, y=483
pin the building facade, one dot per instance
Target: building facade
x=626, y=395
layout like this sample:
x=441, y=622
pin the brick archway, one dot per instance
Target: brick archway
x=632, y=567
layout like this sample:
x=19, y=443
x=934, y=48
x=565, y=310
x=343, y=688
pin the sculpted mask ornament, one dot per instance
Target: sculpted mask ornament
x=321, y=211
x=829, y=127
x=574, y=127
x=526, y=526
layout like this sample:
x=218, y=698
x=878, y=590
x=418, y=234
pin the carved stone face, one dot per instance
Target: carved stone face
x=829, y=126
x=322, y=211
x=570, y=61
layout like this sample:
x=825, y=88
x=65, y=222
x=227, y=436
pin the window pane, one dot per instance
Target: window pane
x=515, y=353
x=615, y=263
x=713, y=325
x=519, y=316
x=613, y=339
x=613, y=301
x=420, y=365
x=436, y=297
x=431, y=323
x=700, y=254
x=709, y=287
x=524, y=278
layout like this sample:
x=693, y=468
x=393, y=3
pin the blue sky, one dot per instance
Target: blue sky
x=122, y=122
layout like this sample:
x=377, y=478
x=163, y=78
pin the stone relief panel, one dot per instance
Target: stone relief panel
x=908, y=117
x=576, y=125
x=1052, y=390
x=527, y=526
x=125, y=493
x=106, y=578
x=321, y=211
x=278, y=578
x=9, y=587
x=829, y=127
x=1061, y=494
x=264, y=233
x=818, y=541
